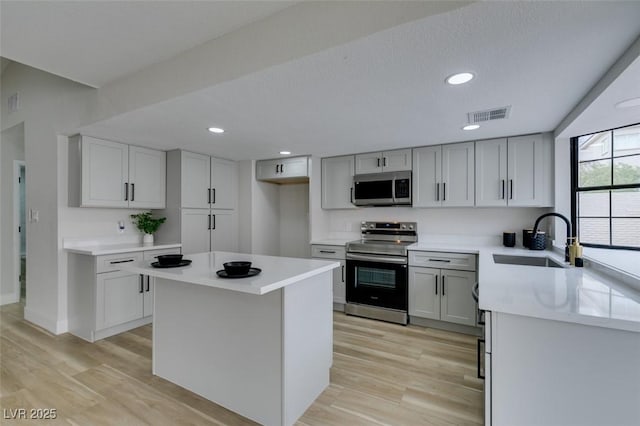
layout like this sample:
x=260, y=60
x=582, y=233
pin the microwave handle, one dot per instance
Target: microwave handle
x=351, y=195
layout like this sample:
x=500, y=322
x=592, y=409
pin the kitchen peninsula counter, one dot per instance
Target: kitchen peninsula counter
x=260, y=346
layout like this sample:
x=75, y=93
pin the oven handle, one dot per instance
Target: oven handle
x=377, y=258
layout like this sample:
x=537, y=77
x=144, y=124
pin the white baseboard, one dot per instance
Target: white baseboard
x=38, y=319
x=8, y=298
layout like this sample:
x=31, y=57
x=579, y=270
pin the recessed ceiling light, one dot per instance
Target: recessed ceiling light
x=216, y=130
x=633, y=102
x=471, y=127
x=459, y=78
x=285, y=152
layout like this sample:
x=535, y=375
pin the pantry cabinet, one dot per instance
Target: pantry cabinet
x=515, y=171
x=387, y=161
x=443, y=175
x=206, y=182
x=112, y=174
x=337, y=182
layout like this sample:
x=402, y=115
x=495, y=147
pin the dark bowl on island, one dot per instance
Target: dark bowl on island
x=237, y=268
x=169, y=259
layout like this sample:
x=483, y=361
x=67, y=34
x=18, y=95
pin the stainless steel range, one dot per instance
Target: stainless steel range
x=377, y=277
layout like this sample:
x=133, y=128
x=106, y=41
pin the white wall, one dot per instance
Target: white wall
x=11, y=149
x=265, y=221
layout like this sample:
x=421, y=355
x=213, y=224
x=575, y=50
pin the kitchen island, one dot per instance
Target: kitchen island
x=259, y=346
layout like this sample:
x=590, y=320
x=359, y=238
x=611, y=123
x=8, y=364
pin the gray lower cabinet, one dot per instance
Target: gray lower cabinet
x=103, y=300
x=339, y=274
x=439, y=293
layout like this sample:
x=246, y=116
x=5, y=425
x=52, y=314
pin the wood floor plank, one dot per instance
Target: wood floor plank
x=382, y=374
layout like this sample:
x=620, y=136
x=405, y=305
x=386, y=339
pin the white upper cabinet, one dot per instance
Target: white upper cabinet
x=224, y=186
x=387, y=161
x=443, y=175
x=295, y=169
x=147, y=178
x=337, y=182
x=196, y=180
x=515, y=172
x=112, y=174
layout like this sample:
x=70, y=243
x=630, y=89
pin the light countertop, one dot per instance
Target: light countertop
x=577, y=295
x=333, y=241
x=277, y=272
x=102, y=249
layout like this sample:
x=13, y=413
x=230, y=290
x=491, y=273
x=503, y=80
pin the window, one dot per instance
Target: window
x=606, y=188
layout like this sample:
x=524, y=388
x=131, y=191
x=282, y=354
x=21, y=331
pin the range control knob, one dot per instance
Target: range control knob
x=372, y=226
x=410, y=226
x=403, y=226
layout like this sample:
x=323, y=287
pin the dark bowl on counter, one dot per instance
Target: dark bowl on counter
x=237, y=268
x=169, y=259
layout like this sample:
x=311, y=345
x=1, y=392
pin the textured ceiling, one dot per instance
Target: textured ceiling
x=94, y=42
x=387, y=90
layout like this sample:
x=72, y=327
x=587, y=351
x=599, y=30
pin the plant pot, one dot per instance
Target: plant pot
x=147, y=239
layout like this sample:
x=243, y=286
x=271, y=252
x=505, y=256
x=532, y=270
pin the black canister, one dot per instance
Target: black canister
x=509, y=239
x=526, y=237
x=538, y=241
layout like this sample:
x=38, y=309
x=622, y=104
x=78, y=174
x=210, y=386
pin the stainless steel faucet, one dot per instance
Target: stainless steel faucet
x=569, y=236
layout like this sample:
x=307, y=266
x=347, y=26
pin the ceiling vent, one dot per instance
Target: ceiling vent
x=488, y=115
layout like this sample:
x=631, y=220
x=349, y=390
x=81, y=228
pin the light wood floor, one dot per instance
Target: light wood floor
x=383, y=374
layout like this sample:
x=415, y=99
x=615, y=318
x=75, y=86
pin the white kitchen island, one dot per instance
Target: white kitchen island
x=259, y=346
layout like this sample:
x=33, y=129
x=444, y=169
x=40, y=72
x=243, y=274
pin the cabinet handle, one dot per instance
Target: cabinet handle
x=121, y=261
x=503, y=189
x=213, y=226
x=328, y=251
x=436, y=285
x=208, y=195
x=209, y=221
x=213, y=196
x=277, y=167
x=480, y=342
x=439, y=260
x=437, y=192
x=148, y=279
x=133, y=191
x=126, y=191
x=511, y=189
x=443, y=285
x=444, y=191
x=342, y=273
x=281, y=168
x=141, y=283
x=384, y=161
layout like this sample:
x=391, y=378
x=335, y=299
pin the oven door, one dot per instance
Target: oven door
x=377, y=280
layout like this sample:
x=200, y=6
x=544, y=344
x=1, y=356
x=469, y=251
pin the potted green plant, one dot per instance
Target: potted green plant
x=147, y=224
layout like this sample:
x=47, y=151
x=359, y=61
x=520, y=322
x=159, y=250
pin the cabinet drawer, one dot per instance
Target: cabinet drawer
x=328, y=252
x=443, y=260
x=112, y=262
x=152, y=254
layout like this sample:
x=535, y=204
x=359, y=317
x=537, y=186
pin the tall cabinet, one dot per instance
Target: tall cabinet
x=201, y=202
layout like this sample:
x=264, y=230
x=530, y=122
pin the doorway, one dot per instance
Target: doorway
x=21, y=219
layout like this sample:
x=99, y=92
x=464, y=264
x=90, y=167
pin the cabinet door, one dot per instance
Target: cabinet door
x=118, y=298
x=529, y=171
x=195, y=230
x=368, y=163
x=294, y=167
x=147, y=178
x=267, y=169
x=427, y=163
x=424, y=297
x=224, y=184
x=491, y=173
x=224, y=231
x=457, y=303
x=458, y=175
x=337, y=182
x=105, y=173
x=339, y=283
x=393, y=161
x=196, y=180
x=150, y=282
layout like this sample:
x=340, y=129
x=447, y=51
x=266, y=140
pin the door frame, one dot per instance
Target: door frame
x=17, y=164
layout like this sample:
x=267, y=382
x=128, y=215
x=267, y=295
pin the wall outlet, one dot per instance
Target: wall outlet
x=121, y=227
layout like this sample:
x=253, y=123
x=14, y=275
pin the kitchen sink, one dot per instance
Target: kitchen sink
x=526, y=261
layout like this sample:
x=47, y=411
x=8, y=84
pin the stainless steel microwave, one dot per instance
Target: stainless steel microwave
x=382, y=189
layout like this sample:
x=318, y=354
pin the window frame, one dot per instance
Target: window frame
x=575, y=189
